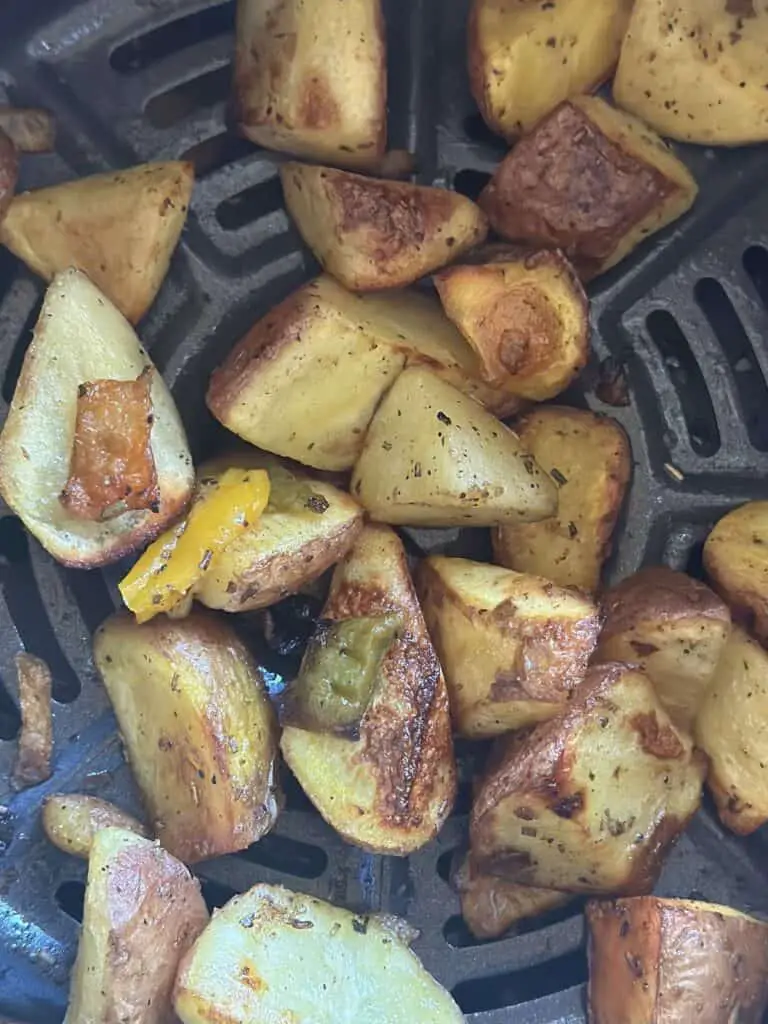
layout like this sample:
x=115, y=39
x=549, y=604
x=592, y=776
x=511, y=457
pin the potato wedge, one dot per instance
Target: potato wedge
x=274, y=955
x=657, y=960
x=433, y=457
x=79, y=337
x=526, y=317
x=35, y=743
x=31, y=129
x=526, y=58
x=9, y=172
x=198, y=730
x=732, y=729
x=696, y=71
x=736, y=561
x=674, y=628
x=72, y=820
x=391, y=790
x=143, y=910
x=119, y=228
x=589, y=458
x=311, y=79
x=373, y=234
x=589, y=180
x=592, y=800
x=513, y=647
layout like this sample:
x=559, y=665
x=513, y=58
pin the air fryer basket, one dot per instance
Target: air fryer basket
x=685, y=321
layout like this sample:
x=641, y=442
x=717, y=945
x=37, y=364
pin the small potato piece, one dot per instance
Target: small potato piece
x=72, y=820
x=513, y=647
x=198, y=729
x=589, y=180
x=31, y=129
x=119, y=228
x=591, y=800
x=35, y=744
x=525, y=58
x=373, y=234
x=732, y=729
x=433, y=457
x=663, y=961
x=143, y=910
x=9, y=172
x=674, y=628
x=736, y=561
x=272, y=955
x=589, y=457
x=527, y=319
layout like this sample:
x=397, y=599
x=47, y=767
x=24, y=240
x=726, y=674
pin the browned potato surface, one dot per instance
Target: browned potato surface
x=72, y=820
x=736, y=561
x=9, y=172
x=31, y=129
x=35, y=743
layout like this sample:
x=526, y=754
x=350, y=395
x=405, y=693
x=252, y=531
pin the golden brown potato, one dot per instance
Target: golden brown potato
x=433, y=457
x=143, y=910
x=198, y=729
x=513, y=647
x=81, y=337
x=31, y=129
x=589, y=458
x=525, y=58
x=736, y=561
x=311, y=79
x=591, y=800
x=732, y=729
x=119, y=228
x=72, y=820
x=661, y=961
x=696, y=71
x=373, y=234
x=9, y=172
x=589, y=180
x=527, y=318
x=35, y=743
x=391, y=790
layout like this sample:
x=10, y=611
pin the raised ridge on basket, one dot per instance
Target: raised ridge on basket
x=143, y=50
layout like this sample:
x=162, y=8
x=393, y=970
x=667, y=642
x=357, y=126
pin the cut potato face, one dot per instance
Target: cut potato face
x=589, y=458
x=81, y=337
x=512, y=647
x=311, y=79
x=592, y=800
x=72, y=820
x=198, y=729
x=736, y=561
x=391, y=790
x=143, y=910
x=433, y=457
x=31, y=129
x=589, y=180
x=274, y=955
x=119, y=228
x=372, y=234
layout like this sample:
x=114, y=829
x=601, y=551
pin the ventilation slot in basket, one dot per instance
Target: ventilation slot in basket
x=471, y=183
x=250, y=204
x=482, y=994
x=279, y=853
x=217, y=152
x=216, y=894
x=16, y=360
x=458, y=935
x=168, y=108
x=70, y=897
x=756, y=265
x=144, y=50
x=10, y=720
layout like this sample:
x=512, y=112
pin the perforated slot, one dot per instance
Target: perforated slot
x=481, y=994
x=216, y=894
x=91, y=596
x=70, y=897
x=476, y=130
x=756, y=265
x=471, y=183
x=168, y=108
x=217, y=152
x=10, y=720
x=457, y=934
x=16, y=361
x=8, y=265
x=278, y=853
x=250, y=204
x=144, y=50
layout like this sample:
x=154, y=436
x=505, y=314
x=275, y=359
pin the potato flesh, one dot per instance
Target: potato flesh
x=72, y=820
x=736, y=561
x=35, y=744
x=9, y=172
x=31, y=129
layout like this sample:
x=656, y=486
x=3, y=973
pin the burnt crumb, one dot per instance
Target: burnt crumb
x=573, y=530
x=634, y=964
x=360, y=924
x=206, y=560
x=569, y=805
x=300, y=925
x=558, y=477
x=317, y=503
x=624, y=930
x=525, y=813
x=444, y=419
x=247, y=921
x=612, y=387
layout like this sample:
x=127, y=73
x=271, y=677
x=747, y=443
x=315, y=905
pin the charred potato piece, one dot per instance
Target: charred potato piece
x=589, y=458
x=736, y=561
x=72, y=820
x=35, y=744
x=143, y=910
x=591, y=800
x=662, y=961
x=391, y=790
x=198, y=729
x=31, y=129
x=589, y=180
x=373, y=234
x=513, y=647
x=9, y=172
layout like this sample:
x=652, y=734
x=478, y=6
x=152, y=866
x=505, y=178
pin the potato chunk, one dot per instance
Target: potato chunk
x=736, y=560
x=72, y=820
x=9, y=172
x=31, y=129
x=513, y=647
x=35, y=744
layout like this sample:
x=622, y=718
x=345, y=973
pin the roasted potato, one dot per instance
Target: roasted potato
x=311, y=79
x=273, y=955
x=433, y=457
x=35, y=744
x=143, y=910
x=198, y=730
x=696, y=71
x=527, y=317
x=662, y=961
x=591, y=800
x=513, y=647
x=373, y=234
x=674, y=628
x=732, y=729
x=589, y=458
x=9, y=172
x=31, y=129
x=119, y=228
x=526, y=58
x=72, y=820
x=80, y=338
x=589, y=180
x=736, y=561
x=390, y=790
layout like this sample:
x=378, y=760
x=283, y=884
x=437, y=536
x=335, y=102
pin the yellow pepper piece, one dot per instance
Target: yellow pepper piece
x=171, y=566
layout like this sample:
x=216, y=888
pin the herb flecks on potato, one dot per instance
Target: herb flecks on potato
x=71, y=821
x=9, y=171
x=736, y=562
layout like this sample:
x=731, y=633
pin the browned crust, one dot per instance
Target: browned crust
x=9, y=171
x=71, y=820
x=728, y=544
x=31, y=129
x=736, y=812
x=35, y=744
